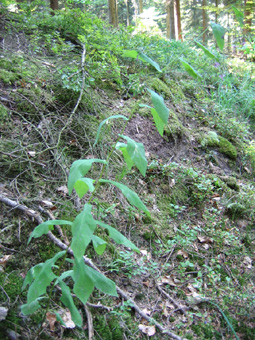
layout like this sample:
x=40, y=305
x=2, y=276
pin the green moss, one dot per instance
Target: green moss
x=160, y=87
x=231, y=182
x=174, y=126
x=175, y=89
x=8, y=77
x=3, y=112
x=211, y=139
x=236, y=210
x=227, y=148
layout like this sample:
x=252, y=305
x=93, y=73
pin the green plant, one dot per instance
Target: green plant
x=84, y=278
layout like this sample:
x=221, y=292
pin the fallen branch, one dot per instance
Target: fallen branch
x=36, y=216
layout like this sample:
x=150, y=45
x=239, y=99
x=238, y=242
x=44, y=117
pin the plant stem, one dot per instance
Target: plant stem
x=108, y=157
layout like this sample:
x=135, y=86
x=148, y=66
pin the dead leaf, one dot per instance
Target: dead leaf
x=204, y=239
x=183, y=253
x=63, y=190
x=66, y=317
x=146, y=253
x=4, y=260
x=47, y=204
x=51, y=318
x=3, y=313
x=171, y=182
x=247, y=262
x=167, y=280
x=147, y=311
x=31, y=153
x=149, y=330
x=147, y=283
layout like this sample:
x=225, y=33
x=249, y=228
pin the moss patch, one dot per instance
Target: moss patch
x=175, y=90
x=8, y=77
x=211, y=139
x=227, y=148
x=160, y=87
x=174, y=126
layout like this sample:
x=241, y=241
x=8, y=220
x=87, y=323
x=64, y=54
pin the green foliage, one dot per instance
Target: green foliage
x=133, y=153
x=143, y=57
x=218, y=32
x=105, y=121
x=84, y=278
x=159, y=112
x=191, y=71
x=206, y=51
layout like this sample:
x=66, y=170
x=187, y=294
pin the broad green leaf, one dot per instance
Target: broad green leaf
x=86, y=278
x=83, y=185
x=239, y=15
x=30, y=308
x=145, y=58
x=79, y=169
x=43, y=278
x=45, y=227
x=31, y=274
x=130, y=195
x=159, y=106
x=218, y=32
x=68, y=273
x=118, y=237
x=82, y=231
x=130, y=54
x=144, y=105
x=104, y=122
x=158, y=121
x=83, y=285
x=67, y=300
x=98, y=244
x=188, y=68
x=123, y=148
x=101, y=282
x=206, y=51
x=137, y=154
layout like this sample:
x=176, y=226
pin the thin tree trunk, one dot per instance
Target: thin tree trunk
x=248, y=9
x=127, y=9
x=170, y=22
x=136, y=10
x=140, y=6
x=113, y=16
x=53, y=6
x=178, y=14
x=216, y=12
x=204, y=3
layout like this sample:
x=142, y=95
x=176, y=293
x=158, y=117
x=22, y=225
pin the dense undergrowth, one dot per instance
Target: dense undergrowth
x=195, y=274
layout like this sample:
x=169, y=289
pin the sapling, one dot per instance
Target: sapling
x=44, y=277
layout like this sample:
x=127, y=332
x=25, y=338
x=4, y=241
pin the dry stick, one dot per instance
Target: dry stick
x=36, y=216
x=90, y=322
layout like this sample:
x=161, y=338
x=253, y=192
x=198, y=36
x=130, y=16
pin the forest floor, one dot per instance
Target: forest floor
x=195, y=273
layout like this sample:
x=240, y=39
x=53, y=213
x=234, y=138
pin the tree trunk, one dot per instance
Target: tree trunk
x=178, y=15
x=136, y=10
x=53, y=4
x=127, y=9
x=216, y=12
x=140, y=6
x=204, y=3
x=248, y=10
x=170, y=22
x=113, y=14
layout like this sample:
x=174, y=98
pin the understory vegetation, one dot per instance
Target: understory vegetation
x=184, y=253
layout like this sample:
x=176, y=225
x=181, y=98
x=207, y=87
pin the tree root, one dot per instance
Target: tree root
x=37, y=217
